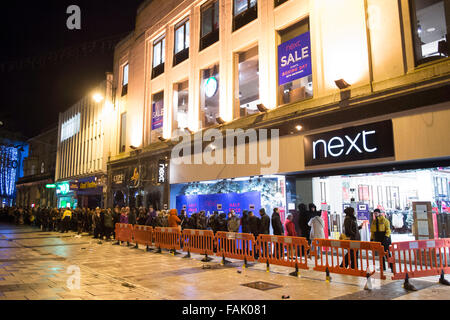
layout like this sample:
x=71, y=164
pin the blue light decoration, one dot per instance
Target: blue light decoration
x=9, y=167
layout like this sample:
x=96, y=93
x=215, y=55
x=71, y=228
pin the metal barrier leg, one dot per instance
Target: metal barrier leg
x=136, y=246
x=295, y=273
x=148, y=249
x=206, y=258
x=159, y=250
x=442, y=279
x=408, y=286
x=188, y=255
x=117, y=243
x=224, y=261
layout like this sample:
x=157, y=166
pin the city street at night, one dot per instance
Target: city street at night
x=34, y=266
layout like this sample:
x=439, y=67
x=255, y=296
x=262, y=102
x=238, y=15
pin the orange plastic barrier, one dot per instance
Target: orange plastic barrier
x=236, y=245
x=283, y=251
x=337, y=256
x=167, y=238
x=422, y=258
x=124, y=232
x=198, y=241
x=143, y=235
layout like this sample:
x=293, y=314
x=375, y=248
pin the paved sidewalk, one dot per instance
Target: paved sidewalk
x=36, y=265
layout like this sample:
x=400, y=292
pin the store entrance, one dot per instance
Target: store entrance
x=393, y=192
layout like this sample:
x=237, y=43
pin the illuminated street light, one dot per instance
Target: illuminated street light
x=98, y=97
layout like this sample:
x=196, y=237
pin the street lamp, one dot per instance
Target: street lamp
x=98, y=97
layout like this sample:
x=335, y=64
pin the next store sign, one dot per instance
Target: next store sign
x=370, y=141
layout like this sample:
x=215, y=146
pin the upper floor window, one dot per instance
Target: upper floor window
x=247, y=93
x=159, y=47
x=279, y=2
x=209, y=96
x=123, y=132
x=210, y=24
x=180, y=105
x=181, y=42
x=125, y=79
x=430, y=22
x=294, y=63
x=244, y=12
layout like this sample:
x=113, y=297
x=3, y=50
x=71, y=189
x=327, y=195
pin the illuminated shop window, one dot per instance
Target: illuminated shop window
x=157, y=116
x=181, y=42
x=245, y=11
x=159, y=47
x=125, y=80
x=247, y=93
x=430, y=22
x=294, y=64
x=210, y=24
x=180, y=105
x=209, y=96
x=123, y=132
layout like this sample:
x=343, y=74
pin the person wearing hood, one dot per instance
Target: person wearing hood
x=351, y=231
x=173, y=220
x=222, y=222
x=244, y=222
x=317, y=229
x=131, y=216
x=212, y=221
x=108, y=224
x=380, y=231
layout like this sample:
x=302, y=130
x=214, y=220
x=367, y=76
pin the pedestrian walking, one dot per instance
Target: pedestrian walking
x=380, y=231
x=317, y=230
x=351, y=231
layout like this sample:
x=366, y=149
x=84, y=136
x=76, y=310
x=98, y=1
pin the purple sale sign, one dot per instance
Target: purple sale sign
x=294, y=59
x=157, y=114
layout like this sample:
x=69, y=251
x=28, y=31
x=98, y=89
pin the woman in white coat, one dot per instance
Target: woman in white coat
x=317, y=230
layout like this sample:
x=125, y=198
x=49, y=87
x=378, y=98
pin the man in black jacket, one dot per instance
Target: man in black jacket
x=277, y=227
x=264, y=226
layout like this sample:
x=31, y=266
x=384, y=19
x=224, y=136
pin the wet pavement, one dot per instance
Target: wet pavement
x=36, y=265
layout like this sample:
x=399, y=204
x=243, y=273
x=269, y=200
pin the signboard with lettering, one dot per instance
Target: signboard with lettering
x=157, y=114
x=162, y=171
x=118, y=178
x=211, y=202
x=294, y=59
x=369, y=141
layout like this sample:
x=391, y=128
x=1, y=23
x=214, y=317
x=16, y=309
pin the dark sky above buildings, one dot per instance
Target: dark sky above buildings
x=45, y=67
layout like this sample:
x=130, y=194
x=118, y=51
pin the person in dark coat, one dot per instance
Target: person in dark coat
x=131, y=216
x=303, y=219
x=244, y=222
x=222, y=223
x=253, y=224
x=351, y=231
x=277, y=226
x=264, y=226
x=108, y=221
x=212, y=221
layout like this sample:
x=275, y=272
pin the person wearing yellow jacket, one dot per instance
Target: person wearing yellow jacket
x=380, y=231
x=67, y=215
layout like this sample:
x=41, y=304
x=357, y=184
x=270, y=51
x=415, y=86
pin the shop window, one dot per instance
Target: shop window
x=181, y=42
x=430, y=23
x=209, y=96
x=247, y=90
x=123, y=132
x=323, y=192
x=158, y=57
x=157, y=116
x=180, y=105
x=245, y=11
x=210, y=24
x=279, y=2
x=293, y=59
x=125, y=80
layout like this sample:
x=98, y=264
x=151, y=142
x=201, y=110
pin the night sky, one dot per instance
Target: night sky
x=71, y=61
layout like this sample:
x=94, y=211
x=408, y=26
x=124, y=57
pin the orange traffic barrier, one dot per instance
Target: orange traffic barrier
x=422, y=258
x=124, y=232
x=236, y=245
x=198, y=241
x=167, y=238
x=143, y=235
x=283, y=251
x=356, y=258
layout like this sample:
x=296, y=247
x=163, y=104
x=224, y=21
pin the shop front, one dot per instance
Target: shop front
x=139, y=182
x=393, y=162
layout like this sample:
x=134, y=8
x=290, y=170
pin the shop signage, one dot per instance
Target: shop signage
x=212, y=202
x=370, y=141
x=162, y=171
x=62, y=188
x=294, y=59
x=157, y=114
x=119, y=178
x=363, y=211
x=50, y=186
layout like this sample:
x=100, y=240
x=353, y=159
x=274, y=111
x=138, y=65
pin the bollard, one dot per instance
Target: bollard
x=442, y=279
x=408, y=286
x=327, y=273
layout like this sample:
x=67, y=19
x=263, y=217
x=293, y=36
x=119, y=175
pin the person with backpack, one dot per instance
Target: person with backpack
x=351, y=231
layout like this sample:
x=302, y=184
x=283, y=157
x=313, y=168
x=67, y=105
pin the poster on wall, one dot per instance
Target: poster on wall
x=228, y=201
x=157, y=114
x=294, y=59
